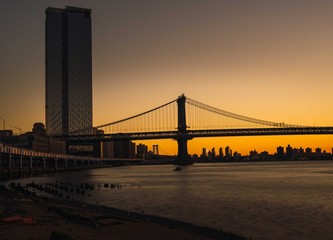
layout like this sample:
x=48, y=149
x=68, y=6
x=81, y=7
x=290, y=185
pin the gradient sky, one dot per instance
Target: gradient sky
x=270, y=60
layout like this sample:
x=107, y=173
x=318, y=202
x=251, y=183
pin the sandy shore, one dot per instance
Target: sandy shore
x=67, y=220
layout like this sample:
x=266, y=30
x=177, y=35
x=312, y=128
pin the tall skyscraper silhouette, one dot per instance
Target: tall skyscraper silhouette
x=68, y=69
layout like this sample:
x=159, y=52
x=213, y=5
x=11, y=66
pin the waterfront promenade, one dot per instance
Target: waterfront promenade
x=18, y=162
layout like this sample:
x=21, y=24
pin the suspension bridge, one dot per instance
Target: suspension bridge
x=184, y=119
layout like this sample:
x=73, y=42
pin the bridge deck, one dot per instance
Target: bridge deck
x=79, y=139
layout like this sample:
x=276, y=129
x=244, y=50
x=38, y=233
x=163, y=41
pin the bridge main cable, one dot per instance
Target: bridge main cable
x=237, y=116
x=135, y=116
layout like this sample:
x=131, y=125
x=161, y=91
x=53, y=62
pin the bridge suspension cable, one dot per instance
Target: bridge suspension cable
x=203, y=116
x=162, y=118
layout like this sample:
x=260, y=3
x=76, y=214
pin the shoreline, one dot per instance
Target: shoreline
x=83, y=221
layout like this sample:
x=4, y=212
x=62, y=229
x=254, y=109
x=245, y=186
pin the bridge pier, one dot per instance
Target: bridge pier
x=21, y=166
x=55, y=164
x=10, y=166
x=183, y=158
x=66, y=164
x=44, y=165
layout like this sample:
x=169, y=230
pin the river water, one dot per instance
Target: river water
x=262, y=200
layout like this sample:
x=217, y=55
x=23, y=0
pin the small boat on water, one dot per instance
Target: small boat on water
x=177, y=168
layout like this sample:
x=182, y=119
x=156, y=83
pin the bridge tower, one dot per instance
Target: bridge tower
x=182, y=137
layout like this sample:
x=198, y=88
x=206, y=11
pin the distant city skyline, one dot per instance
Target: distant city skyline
x=281, y=151
x=265, y=59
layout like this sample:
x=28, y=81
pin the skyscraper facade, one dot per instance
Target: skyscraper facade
x=68, y=70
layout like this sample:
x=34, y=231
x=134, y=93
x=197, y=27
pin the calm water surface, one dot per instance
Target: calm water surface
x=270, y=200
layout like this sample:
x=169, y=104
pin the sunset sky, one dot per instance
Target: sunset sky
x=270, y=60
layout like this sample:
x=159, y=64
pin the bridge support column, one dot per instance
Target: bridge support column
x=21, y=166
x=55, y=164
x=10, y=166
x=66, y=164
x=183, y=158
x=44, y=165
x=30, y=165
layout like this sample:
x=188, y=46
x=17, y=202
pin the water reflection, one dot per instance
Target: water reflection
x=280, y=200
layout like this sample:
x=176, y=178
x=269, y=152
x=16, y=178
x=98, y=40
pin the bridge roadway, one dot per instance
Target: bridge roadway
x=88, y=139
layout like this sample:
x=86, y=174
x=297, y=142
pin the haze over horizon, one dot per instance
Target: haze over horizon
x=269, y=60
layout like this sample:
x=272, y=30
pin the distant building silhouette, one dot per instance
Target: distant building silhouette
x=308, y=152
x=141, y=151
x=204, y=152
x=280, y=152
x=68, y=69
x=253, y=153
x=124, y=149
x=228, y=152
x=301, y=152
x=220, y=152
x=295, y=152
x=289, y=151
x=213, y=154
x=39, y=129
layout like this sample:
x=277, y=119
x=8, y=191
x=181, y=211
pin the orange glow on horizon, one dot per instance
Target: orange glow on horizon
x=244, y=145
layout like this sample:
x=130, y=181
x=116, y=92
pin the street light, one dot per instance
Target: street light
x=4, y=123
x=17, y=129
